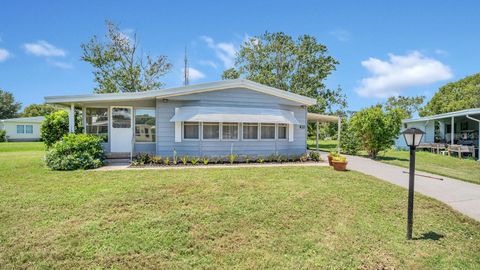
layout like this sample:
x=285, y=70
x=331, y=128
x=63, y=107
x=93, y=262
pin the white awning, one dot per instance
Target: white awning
x=233, y=114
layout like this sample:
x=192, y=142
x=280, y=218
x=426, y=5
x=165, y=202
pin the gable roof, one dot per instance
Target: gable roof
x=185, y=90
x=444, y=115
x=36, y=119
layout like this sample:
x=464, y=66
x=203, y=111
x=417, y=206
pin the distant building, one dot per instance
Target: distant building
x=24, y=129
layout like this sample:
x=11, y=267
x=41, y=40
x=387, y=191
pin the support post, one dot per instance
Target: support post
x=317, y=135
x=339, y=132
x=84, y=119
x=411, y=179
x=452, y=131
x=71, y=118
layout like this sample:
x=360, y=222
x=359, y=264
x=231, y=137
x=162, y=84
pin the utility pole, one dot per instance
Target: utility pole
x=185, y=70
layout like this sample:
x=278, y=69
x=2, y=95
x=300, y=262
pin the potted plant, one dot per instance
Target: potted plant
x=330, y=156
x=339, y=163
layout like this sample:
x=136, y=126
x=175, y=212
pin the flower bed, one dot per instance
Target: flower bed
x=145, y=159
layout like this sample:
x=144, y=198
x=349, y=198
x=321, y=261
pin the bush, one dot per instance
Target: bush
x=76, y=151
x=376, y=128
x=143, y=158
x=315, y=156
x=3, y=136
x=349, y=142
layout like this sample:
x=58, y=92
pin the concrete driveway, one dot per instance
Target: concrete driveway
x=462, y=196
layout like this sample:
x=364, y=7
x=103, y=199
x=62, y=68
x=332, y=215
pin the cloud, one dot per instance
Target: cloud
x=225, y=51
x=441, y=52
x=4, y=54
x=43, y=48
x=341, y=34
x=208, y=63
x=62, y=65
x=390, y=78
x=194, y=74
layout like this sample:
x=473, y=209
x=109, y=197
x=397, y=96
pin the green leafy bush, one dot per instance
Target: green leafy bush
x=315, y=156
x=194, y=160
x=55, y=126
x=75, y=151
x=3, y=136
x=144, y=158
x=349, y=142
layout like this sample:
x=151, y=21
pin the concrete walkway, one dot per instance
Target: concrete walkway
x=461, y=196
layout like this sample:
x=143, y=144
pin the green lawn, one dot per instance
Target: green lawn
x=462, y=169
x=289, y=217
x=323, y=145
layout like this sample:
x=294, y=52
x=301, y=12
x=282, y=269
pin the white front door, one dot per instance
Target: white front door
x=121, y=134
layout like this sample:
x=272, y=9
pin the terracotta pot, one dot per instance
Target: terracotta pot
x=339, y=166
x=330, y=160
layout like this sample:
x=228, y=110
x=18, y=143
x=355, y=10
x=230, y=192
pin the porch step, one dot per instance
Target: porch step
x=118, y=155
x=116, y=161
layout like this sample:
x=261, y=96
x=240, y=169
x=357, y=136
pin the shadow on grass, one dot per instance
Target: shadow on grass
x=390, y=158
x=430, y=236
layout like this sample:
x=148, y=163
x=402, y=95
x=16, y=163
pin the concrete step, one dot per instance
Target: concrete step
x=118, y=161
x=118, y=155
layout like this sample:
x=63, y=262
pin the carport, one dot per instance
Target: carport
x=322, y=118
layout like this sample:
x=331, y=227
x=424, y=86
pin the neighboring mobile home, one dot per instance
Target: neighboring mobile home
x=453, y=128
x=210, y=119
x=22, y=129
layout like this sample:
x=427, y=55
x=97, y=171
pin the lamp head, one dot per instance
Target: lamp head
x=413, y=136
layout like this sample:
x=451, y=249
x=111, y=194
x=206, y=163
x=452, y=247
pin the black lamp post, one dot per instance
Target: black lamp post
x=413, y=137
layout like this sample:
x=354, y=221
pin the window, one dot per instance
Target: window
x=268, y=131
x=230, y=131
x=121, y=117
x=145, y=125
x=29, y=129
x=190, y=130
x=97, y=122
x=20, y=129
x=250, y=131
x=211, y=131
x=282, y=131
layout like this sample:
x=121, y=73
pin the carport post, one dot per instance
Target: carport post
x=71, y=119
x=317, y=135
x=339, y=132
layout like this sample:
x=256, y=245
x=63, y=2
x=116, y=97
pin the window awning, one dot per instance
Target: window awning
x=233, y=114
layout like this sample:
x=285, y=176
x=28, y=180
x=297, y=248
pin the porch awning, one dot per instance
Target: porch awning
x=233, y=114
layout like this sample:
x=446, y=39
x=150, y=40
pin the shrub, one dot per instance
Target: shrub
x=260, y=160
x=315, y=156
x=205, y=161
x=232, y=158
x=75, y=151
x=349, y=142
x=184, y=160
x=376, y=128
x=157, y=160
x=55, y=126
x=194, y=160
x=304, y=157
x=166, y=161
x=3, y=136
x=144, y=158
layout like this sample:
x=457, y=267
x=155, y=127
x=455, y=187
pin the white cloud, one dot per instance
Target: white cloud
x=194, y=74
x=225, y=51
x=4, y=54
x=441, y=52
x=208, y=63
x=390, y=78
x=62, y=65
x=43, y=48
x=341, y=34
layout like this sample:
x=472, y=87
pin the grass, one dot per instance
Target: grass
x=289, y=217
x=323, y=145
x=454, y=167
x=21, y=146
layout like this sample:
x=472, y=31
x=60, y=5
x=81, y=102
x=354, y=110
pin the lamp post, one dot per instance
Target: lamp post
x=413, y=137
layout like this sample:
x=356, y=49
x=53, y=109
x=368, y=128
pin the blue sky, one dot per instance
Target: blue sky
x=384, y=47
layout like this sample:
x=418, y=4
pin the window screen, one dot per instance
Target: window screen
x=211, y=131
x=268, y=131
x=250, y=131
x=230, y=131
x=145, y=125
x=190, y=130
x=282, y=131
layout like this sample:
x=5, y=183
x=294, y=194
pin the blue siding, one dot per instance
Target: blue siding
x=235, y=98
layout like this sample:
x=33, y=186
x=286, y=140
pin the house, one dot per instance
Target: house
x=209, y=119
x=453, y=128
x=22, y=129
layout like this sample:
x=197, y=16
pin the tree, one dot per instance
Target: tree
x=408, y=105
x=119, y=67
x=349, y=143
x=38, y=110
x=455, y=96
x=8, y=106
x=376, y=128
x=299, y=66
x=55, y=126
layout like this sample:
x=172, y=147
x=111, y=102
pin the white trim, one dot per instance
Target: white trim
x=290, y=132
x=444, y=115
x=219, y=132
x=71, y=118
x=286, y=132
x=187, y=90
x=132, y=127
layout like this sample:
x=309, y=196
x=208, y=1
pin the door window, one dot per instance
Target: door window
x=121, y=118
